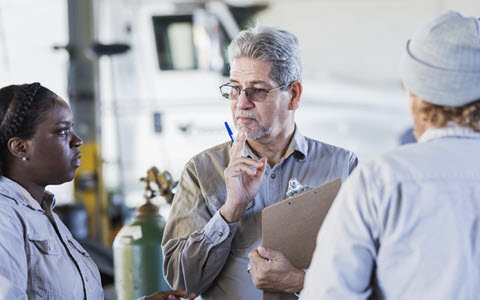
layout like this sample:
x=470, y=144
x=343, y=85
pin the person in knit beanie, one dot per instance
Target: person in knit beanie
x=406, y=225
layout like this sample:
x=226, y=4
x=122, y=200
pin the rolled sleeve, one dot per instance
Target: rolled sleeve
x=196, y=244
x=219, y=230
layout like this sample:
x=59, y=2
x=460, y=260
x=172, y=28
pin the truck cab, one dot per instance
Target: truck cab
x=159, y=102
x=161, y=99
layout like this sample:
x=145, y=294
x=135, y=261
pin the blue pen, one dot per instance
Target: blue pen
x=230, y=133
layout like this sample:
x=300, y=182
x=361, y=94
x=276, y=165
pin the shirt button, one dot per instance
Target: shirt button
x=273, y=176
x=299, y=160
x=220, y=233
x=230, y=234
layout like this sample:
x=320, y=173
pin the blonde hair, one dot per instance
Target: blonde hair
x=466, y=116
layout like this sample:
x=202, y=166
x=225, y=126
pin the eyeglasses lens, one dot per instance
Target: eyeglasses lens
x=252, y=94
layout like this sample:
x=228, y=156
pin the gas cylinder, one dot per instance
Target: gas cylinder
x=137, y=251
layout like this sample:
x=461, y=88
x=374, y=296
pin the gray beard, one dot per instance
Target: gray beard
x=260, y=132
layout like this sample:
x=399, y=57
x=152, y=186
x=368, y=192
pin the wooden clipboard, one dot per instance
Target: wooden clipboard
x=291, y=227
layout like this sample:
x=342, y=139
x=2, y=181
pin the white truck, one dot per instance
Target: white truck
x=160, y=102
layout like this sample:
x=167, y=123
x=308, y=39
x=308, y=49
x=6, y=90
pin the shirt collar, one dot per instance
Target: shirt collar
x=21, y=195
x=450, y=130
x=298, y=144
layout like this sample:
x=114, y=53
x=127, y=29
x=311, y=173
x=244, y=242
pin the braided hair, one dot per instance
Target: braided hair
x=22, y=107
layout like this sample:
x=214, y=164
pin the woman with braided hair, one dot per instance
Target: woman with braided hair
x=39, y=258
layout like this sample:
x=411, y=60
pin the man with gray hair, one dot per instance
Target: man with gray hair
x=407, y=224
x=215, y=223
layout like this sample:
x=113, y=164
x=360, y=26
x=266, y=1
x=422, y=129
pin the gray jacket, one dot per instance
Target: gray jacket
x=39, y=258
x=406, y=225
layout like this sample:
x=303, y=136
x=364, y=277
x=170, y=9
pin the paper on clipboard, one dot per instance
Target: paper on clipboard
x=291, y=227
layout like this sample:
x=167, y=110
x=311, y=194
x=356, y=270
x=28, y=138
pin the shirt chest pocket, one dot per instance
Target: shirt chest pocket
x=50, y=271
x=45, y=246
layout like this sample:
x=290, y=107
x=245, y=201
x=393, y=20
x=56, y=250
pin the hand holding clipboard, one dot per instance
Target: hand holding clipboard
x=291, y=226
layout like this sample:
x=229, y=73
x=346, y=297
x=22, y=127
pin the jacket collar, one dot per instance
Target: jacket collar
x=19, y=194
x=451, y=130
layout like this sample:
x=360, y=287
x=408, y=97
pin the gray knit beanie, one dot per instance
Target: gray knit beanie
x=441, y=63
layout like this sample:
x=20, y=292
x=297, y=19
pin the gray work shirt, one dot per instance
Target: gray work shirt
x=39, y=258
x=207, y=256
x=405, y=226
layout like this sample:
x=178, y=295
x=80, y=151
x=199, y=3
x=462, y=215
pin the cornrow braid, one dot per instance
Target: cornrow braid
x=14, y=120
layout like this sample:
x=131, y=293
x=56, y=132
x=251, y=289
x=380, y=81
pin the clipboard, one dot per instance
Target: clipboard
x=291, y=227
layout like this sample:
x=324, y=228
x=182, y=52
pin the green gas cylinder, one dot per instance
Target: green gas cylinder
x=137, y=252
x=137, y=255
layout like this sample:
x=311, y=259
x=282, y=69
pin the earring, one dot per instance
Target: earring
x=24, y=158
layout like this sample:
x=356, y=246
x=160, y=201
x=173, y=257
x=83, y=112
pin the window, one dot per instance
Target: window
x=174, y=42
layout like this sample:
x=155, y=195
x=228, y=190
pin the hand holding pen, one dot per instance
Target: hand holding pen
x=230, y=134
x=243, y=178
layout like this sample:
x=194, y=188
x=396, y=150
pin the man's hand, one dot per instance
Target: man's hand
x=272, y=271
x=170, y=295
x=243, y=177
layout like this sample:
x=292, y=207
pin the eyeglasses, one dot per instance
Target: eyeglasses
x=253, y=94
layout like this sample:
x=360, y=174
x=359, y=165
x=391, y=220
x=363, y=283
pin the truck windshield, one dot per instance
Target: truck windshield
x=174, y=42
